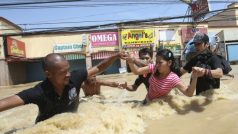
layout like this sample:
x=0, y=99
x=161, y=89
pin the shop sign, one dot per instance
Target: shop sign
x=137, y=36
x=104, y=39
x=15, y=47
x=199, y=9
x=64, y=48
x=188, y=33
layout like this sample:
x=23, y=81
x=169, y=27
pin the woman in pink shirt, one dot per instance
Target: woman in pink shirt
x=164, y=76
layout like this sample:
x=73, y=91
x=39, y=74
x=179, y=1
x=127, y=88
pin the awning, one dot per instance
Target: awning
x=74, y=56
x=21, y=59
x=102, y=55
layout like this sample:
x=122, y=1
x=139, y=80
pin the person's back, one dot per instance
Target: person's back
x=91, y=87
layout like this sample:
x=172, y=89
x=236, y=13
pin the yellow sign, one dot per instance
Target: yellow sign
x=137, y=36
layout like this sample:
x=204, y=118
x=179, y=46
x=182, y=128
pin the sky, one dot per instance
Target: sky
x=94, y=12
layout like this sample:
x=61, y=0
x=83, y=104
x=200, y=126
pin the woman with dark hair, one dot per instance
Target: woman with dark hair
x=165, y=76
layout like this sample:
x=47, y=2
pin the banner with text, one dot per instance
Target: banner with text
x=65, y=48
x=137, y=37
x=104, y=39
x=15, y=47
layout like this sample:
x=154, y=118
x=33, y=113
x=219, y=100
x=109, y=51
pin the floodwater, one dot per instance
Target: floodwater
x=118, y=111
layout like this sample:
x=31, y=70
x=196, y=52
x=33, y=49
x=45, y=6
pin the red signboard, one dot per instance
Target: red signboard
x=188, y=33
x=104, y=39
x=199, y=9
x=15, y=47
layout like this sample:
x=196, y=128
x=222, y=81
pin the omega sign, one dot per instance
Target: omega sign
x=104, y=39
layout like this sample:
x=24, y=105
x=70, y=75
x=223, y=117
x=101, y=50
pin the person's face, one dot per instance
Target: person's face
x=200, y=46
x=162, y=65
x=145, y=57
x=60, y=73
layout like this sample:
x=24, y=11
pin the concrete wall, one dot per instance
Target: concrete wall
x=4, y=73
x=41, y=45
x=12, y=73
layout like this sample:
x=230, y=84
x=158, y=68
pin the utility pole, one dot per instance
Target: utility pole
x=188, y=12
x=187, y=1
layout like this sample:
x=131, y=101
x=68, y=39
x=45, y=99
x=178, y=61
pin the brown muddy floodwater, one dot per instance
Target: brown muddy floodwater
x=118, y=111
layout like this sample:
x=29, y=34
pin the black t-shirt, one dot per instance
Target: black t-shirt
x=48, y=101
x=208, y=61
x=141, y=79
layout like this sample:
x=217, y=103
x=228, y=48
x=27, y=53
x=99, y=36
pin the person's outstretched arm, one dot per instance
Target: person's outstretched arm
x=105, y=64
x=189, y=90
x=108, y=83
x=140, y=63
x=135, y=69
x=129, y=87
x=10, y=102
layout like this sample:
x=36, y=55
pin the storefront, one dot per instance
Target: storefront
x=103, y=45
x=100, y=56
x=74, y=53
x=15, y=59
x=169, y=38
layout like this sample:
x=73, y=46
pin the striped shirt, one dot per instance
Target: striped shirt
x=161, y=86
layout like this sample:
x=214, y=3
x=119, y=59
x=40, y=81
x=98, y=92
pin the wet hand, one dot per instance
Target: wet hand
x=198, y=72
x=130, y=60
x=123, y=85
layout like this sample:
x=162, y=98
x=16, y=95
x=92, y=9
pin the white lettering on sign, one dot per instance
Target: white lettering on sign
x=104, y=37
x=68, y=48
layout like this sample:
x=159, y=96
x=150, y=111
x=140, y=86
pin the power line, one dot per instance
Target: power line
x=104, y=13
x=81, y=5
x=93, y=3
x=133, y=22
x=43, y=2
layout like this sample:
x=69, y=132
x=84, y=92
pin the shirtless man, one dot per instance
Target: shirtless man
x=92, y=86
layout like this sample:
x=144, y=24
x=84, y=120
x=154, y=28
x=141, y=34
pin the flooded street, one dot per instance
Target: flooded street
x=118, y=111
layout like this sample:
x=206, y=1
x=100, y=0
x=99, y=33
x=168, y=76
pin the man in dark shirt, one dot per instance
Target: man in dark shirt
x=60, y=91
x=145, y=58
x=208, y=63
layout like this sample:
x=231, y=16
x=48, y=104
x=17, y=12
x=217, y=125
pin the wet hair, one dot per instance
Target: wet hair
x=146, y=51
x=50, y=60
x=167, y=55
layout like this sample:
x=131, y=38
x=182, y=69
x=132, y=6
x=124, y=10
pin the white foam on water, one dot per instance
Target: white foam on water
x=112, y=113
x=93, y=118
